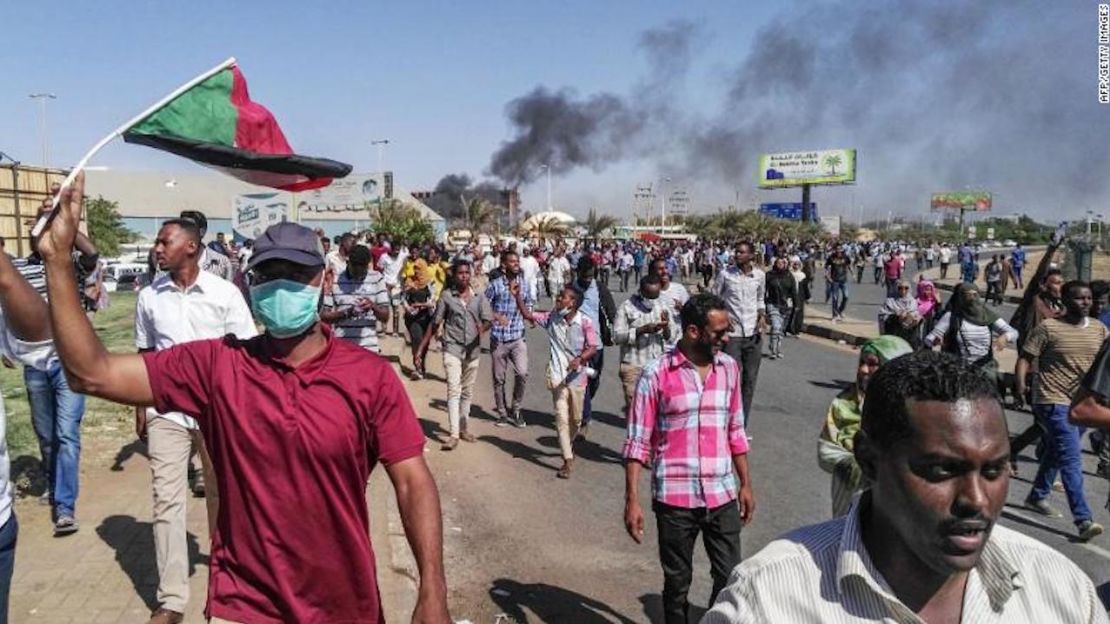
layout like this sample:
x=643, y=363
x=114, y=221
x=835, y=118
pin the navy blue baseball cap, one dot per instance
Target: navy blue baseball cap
x=288, y=241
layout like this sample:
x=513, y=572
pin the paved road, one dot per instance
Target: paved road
x=521, y=542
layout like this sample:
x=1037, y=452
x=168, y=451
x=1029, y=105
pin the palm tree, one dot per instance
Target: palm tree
x=597, y=225
x=479, y=215
x=832, y=161
x=548, y=227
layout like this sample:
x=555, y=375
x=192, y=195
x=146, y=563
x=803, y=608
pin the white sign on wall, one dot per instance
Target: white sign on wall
x=347, y=195
x=251, y=214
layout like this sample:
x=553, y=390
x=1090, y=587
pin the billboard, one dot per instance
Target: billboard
x=961, y=200
x=788, y=210
x=347, y=195
x=251, y=214
x=837, y=166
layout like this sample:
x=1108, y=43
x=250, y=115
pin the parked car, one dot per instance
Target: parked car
x=1009, y=242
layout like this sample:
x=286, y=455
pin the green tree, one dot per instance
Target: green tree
x=832, y=161
x=597, y=225
x=106, y=228
x=546, y=228
x=479, y=215
x=401, y=221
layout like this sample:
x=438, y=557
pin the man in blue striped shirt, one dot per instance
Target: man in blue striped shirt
x=506, y=344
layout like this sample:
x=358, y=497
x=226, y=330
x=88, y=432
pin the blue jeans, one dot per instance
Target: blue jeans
x=8, y=533
x=839, y=297
x=56, y=413
x=1062, y=455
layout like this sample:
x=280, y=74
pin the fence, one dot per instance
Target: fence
x=22, y=191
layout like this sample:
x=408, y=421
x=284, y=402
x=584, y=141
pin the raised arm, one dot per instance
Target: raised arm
x=89, y=367
x=24, y=310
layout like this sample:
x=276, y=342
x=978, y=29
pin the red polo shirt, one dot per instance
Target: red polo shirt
x=292, y=450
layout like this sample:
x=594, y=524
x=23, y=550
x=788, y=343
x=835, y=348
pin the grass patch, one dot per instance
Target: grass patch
x=115, y=326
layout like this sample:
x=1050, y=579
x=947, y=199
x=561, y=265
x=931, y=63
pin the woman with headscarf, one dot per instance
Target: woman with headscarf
x=968, y=329
x=780, y=296
x=899, y=317
x=835, y=446
x=928, y=305
x=799, y=315
x=418, y=302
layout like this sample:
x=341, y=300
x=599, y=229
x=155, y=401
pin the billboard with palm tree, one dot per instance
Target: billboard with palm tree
x=836, y=166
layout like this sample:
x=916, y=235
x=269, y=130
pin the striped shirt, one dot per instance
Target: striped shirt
x=634, y=313
x=823, y=573
x=504, y=304
x=1064, y=354
x=688, y=430
x=973, y=341
x=361, y=329
x=33, y=271
x=568, y=339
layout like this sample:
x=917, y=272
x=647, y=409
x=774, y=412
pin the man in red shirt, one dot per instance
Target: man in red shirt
x=294, y=420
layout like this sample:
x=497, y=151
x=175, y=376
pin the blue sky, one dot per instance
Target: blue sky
x=432, y=77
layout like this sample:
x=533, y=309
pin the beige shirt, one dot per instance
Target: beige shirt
x=823, y=573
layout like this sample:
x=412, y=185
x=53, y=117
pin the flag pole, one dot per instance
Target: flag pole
x=43, y=220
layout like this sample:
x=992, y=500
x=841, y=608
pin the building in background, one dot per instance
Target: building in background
x=146, y=199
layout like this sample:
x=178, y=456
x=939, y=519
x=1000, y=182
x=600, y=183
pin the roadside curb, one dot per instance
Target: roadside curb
x=833, y=334
x=1014, y=299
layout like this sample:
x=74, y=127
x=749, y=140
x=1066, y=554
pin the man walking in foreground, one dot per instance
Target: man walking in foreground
x=295, y=420
x=686, y=425
x=506, y=343
x=184, y=304
x=924, y=543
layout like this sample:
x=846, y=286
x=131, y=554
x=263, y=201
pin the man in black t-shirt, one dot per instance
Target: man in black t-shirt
x=836, y=273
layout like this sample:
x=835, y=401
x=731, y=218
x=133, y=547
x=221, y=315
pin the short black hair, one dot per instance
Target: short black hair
x=198, y=218
x=359, y=255
x=1099, y=288
x=505, y=255
x=650, y=279
x=576, y=294
x=745, y=243
x=1072, y=286
x=585, y=263
x=190, y=227
x=921, y=376
x=696, y=309
x=460, y=262
x=344, y=237
x=651, y=265
x=1051, y=272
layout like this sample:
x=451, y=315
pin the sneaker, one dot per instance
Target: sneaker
x=1089, y=529
x=583, y=431
x=165, y=616
x=466, y=436
x=450, y=444
x=46, y=499
x=65, y=525
x=501, y=422
x=1043, y=508
x=1058, y=485
x=518, y=420
x=564, y=472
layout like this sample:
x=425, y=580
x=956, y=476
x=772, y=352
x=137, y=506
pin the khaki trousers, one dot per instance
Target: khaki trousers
x=630, y=376
x=569, y=402
x=461, y=375
x=170, y=446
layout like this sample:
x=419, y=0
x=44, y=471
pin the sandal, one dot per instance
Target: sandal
x=564, y=472
x=466, y=436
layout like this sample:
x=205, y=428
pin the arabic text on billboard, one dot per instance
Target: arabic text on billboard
x=966, y=200
x=836, y=166
x=350, y=194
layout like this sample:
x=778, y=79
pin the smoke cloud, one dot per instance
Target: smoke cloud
x=935, y=96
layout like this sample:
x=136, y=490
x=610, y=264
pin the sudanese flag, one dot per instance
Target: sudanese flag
x=214, y=122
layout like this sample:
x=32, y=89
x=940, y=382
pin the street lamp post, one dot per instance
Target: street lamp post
x=663, y=210
x=380, y=144
x=42, y=98
x=547, y=168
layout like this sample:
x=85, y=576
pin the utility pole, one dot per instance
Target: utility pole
x=663, y=213
x=807, y=213
x=42, y=98
x=380, y=144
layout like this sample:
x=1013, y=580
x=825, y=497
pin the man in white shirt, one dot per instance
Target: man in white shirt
x=183, y=305
x=530, y=269
x=624, y=268
x=390, y=266
x=672, y=296
x=558, y=268
x=923, y=544
x=336, y=259
x=743, y=288
x=945, y=259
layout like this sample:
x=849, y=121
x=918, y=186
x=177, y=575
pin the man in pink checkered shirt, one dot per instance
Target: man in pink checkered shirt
x=686, y=424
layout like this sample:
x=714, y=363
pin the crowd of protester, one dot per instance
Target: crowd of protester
x=286, y=424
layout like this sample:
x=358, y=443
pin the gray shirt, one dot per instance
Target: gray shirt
x=462, y=322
